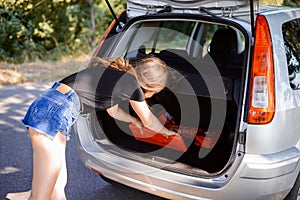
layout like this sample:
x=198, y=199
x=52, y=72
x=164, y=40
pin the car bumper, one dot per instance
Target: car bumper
x=254, y=177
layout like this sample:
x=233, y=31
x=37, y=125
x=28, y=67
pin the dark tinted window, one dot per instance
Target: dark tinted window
x=291, y=36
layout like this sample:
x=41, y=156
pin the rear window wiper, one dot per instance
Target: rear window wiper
x=205, y=10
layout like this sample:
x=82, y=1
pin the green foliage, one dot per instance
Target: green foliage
x=295, y=3
x=50, y=29
x=15, y=34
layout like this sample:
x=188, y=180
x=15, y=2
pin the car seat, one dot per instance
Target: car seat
x=224, y=46
x=224, y=50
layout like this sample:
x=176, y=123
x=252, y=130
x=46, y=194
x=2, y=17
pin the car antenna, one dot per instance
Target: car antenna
x=120, y=24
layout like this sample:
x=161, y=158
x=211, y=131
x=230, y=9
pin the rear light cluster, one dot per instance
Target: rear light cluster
x=262, y=96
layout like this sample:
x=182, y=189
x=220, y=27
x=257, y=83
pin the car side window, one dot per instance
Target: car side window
x=291, y=37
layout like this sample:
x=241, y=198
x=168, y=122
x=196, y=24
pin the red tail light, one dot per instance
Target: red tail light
x=262, y=96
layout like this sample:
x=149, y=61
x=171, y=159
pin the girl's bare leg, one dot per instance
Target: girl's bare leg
x=48, y=158
x=58, y=192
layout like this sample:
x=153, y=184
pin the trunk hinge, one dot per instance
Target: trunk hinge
x=242, y=137
x=227, y=12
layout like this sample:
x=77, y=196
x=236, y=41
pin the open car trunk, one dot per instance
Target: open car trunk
x=206, y=124
x=201, y=102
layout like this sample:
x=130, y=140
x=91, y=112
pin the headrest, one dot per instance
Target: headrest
x=224, y=44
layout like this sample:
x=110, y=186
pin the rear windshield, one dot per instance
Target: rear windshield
x=189, y=37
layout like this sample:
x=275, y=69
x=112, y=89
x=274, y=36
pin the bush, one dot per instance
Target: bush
x=49, y=30
x=294, y=3
x=15, y=36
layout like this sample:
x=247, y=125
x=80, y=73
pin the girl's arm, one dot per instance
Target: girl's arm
x=144, y=113
x=121, y=115
x=148, y=119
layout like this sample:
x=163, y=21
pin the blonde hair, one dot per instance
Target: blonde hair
x=114, y=63
x=99, y=62
x=151, y=73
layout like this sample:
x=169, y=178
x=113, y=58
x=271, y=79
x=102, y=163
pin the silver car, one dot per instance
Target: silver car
x=233, y=97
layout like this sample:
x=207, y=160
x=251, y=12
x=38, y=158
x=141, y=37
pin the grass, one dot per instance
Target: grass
x=39, y=71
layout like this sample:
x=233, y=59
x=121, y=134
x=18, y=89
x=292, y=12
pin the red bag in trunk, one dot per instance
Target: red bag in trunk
x=202, y=138
x=206, y=139
x=146, y=135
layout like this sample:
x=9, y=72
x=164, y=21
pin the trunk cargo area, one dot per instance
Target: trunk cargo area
x=199, y=147
x=202, y=105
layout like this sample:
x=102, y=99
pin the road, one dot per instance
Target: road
x=16, y=156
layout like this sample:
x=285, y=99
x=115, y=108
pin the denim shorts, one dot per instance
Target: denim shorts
x=53, y=111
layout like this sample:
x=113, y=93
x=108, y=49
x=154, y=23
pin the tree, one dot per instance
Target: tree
x=50, y=29
x=92, y=22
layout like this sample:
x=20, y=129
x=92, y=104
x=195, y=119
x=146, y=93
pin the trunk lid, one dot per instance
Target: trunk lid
x=228, y=8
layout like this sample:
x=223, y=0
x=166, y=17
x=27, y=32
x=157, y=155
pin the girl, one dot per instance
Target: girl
x=101, y=86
